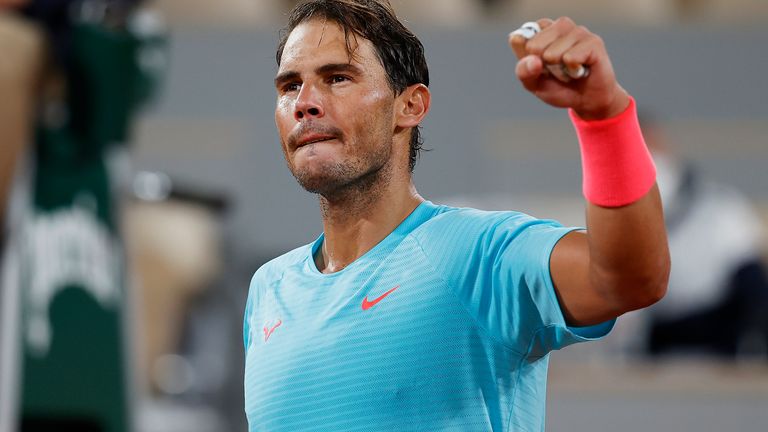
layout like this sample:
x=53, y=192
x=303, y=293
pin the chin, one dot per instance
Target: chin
x=316, y=185
x=328, y=176
x=321, y=180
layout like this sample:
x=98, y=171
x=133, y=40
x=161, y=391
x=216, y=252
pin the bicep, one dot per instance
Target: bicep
x=621, y=265
x=580, y=300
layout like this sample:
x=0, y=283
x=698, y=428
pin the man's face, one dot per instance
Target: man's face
x=334, y=111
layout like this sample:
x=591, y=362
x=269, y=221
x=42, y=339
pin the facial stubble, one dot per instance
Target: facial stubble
x=360, y=175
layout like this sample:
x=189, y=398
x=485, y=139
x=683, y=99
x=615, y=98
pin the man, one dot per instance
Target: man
x=406, y=315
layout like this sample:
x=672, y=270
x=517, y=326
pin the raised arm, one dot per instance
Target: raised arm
x=622, y=262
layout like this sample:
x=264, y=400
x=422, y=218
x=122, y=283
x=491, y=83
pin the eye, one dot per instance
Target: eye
x=336, y=79
x=291, y=87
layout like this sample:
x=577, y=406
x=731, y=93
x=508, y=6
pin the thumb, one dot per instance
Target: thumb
x=528, y=70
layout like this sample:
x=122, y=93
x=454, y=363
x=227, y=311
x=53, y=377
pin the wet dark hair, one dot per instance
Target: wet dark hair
x=399, y=50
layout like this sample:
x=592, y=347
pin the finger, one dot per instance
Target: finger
x=585, y=52
x=544, y=22
x=529, y=70
x=518, y=38
x=517, y=43
x=550, y=32
x=553, y=54
x=576, y=72
x=527, y=30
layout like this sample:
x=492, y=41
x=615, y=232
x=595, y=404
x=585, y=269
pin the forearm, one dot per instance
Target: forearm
x=629, y=258
x=622, y=262
x=626, y=237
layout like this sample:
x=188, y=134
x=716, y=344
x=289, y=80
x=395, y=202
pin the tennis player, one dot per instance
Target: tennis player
x=406, y=315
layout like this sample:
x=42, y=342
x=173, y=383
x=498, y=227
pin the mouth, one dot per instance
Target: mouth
x=313, y=139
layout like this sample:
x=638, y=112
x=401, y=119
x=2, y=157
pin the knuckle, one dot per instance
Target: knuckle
x=533, y=48
x=550, y=56
x=570, y=58
x=598, y=40
x=565, y=21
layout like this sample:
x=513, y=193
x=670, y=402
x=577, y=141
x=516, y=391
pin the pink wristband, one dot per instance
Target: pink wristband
x=617, y=166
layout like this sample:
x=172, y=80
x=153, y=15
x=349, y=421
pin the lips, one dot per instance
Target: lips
x=312, y=132
x=313, y=138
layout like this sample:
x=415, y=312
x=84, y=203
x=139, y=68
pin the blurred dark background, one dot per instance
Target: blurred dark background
x=199, y=196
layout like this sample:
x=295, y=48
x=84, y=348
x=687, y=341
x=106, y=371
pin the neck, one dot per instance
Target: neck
x=357, y=219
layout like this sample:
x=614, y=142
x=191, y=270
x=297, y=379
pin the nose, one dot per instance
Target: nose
x=308, y=104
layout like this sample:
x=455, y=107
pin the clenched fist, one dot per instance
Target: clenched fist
x=562, y=42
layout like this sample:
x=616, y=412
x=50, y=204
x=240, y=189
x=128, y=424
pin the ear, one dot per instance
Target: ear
x=412, y=105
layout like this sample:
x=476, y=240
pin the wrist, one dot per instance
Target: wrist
x=617, y=166
x=617, y=104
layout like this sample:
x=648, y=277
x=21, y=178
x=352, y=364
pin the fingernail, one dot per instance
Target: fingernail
x=530, y=64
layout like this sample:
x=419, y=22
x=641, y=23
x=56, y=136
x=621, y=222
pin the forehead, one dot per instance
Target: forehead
x=319, y=41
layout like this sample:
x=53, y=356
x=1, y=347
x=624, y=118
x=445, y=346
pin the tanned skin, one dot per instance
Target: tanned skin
x=345, y=135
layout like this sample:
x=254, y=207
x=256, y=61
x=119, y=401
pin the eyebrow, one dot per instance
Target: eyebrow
x=322, y=70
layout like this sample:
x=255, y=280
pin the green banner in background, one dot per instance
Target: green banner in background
x=74, y=368
x=74, y=371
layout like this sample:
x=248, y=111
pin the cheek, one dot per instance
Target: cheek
x=284, y=119
x=284, y=105
x=377, y=99
x=378, y=111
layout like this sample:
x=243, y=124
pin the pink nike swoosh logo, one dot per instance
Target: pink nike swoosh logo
x=268, y=332
x=369, y=304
